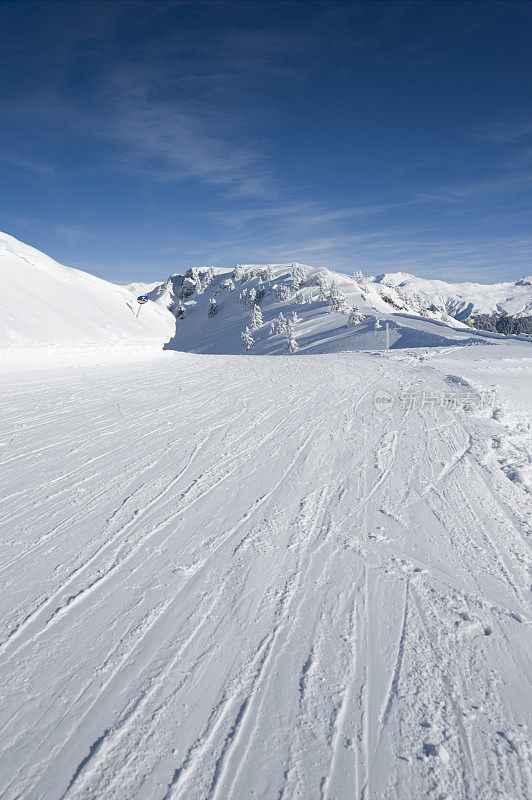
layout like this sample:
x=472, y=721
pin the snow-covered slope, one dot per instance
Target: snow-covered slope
x=140, y=287
x=463, y=299
x=215, y=306
x=233, y=578
x=43, y=303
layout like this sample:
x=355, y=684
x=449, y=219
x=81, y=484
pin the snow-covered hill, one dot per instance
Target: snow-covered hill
x=43, y=303
x=321, y=311
x=463, y=299
x=261, y=309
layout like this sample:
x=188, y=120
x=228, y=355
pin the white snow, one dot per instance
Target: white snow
x=46, y=305
x=513, y=298
x=231, y=576
x=319, y=328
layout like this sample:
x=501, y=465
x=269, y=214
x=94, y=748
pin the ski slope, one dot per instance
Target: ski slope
x=46, y=307
x=231, y=577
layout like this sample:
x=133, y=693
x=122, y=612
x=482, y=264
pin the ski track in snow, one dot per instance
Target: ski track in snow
x=229, y=577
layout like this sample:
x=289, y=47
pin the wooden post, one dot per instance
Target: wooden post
x=387, y=337
x=138, y=312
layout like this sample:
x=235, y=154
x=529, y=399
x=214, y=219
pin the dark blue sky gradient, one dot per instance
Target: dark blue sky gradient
x=140, y=138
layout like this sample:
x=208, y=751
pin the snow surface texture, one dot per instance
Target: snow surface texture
x=229, y=577
x=232, y=577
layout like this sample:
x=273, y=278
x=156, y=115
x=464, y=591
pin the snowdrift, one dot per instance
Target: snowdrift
x=45, y=304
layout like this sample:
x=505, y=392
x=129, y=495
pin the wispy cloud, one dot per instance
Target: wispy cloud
x=74, y=232
x=27, y=163
x=172, y=141
x=504, y=132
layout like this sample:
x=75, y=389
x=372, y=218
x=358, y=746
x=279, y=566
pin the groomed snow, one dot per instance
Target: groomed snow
x=231, y=577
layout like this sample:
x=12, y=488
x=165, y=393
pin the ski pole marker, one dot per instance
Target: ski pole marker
x=387, y=337
x=141, y=300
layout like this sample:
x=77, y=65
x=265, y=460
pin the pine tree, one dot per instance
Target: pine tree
x=291, y=345
x=298, y=276
x=294, y=318
x=247, y=340
x=256, y=318
x=252, y=296
x=360, y=280
x=283, y=292
x=238, y=273
x=377, y=324
x=267, y=274
x=322, y=283
x=336, y=297
x=213, y=307
x=355, y=317
x=281, y=323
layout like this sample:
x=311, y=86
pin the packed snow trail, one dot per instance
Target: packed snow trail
x=231, y=577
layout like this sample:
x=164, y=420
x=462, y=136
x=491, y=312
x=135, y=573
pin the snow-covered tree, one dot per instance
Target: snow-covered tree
x=377, y=324
x=360, y=279
x=281, y=323
x=294, y=318
x=298, y=277
x=299, y=298
x=207, y=278
x=213, y=307
x=321, y=281
x=247, y=340
x=291, y=345
x=261, y=291
x=267, y=274
x=336, y=297
x=228, y=284
x=252, y=297
x=243, y=297
x=238, y=273
x=283, y=292
x=256, y=318
x=355, y=317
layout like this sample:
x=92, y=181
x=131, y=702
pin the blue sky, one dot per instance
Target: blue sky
x=141, y=138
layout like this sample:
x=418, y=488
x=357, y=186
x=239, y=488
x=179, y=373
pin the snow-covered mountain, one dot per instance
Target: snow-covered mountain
x=262, y=309
x=45, y=303
x=463, y=299
x=300, y=308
